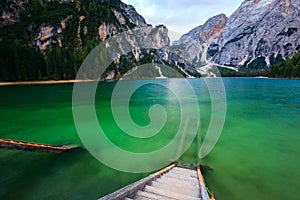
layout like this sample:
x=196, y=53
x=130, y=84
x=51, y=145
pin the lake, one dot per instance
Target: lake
x=256, y=157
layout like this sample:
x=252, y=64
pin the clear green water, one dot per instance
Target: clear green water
x=257, y=156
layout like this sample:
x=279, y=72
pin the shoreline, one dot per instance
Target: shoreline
x=50, y=82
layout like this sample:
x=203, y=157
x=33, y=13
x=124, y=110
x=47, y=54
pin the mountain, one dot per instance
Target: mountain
x=49, y=40
x=258, y=34
x=203, y=39
x=42, y=40
x=63, y=22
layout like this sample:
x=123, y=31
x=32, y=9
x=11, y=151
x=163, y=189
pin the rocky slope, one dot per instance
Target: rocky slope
x=41, y=40
x=258, y=34
x=203, y=39
x=64, y=32
x=46, y=22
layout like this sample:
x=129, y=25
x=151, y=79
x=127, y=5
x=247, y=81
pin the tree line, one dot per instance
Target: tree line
x=22, y=61
x=18, y=63
x=290, y=68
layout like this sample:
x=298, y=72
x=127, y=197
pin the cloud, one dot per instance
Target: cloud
x=182, y=16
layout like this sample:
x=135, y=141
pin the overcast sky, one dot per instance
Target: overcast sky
x=182, y=15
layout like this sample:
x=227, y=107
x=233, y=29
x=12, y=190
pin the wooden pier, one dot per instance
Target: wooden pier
x=171, y=183
x=29, y=146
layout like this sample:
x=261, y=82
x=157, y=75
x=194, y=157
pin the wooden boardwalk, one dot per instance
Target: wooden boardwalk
x=34, y=147
x=171, y=183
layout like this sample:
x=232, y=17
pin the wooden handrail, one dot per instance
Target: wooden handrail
x=202, y=184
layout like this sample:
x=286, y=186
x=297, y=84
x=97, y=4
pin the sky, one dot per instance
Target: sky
x=181, y=16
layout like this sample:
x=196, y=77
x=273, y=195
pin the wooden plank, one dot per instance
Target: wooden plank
x=204, y=192
x=141, y=195
x=175, y=188
x=34, y=147
x=170, y=183
x=170, y=194
x=129, y=190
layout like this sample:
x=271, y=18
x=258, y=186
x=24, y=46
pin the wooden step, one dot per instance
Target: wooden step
x=143, y=194
x=183, y=170
x=194, y=175
x=177, y=184
x=175, y=181
x=168, y=194
x=180, y=178
x=171, y=183
x=183, y=189
x=178, y=187
x=141, y=198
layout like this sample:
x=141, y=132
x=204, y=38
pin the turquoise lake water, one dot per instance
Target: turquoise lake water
x=256, y=157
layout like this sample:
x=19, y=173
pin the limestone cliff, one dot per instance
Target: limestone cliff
x=258, y=34
x=60, y=28
x=203, y=39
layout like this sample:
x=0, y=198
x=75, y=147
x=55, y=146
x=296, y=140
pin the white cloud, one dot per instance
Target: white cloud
x=149, y=11
x=182, y=15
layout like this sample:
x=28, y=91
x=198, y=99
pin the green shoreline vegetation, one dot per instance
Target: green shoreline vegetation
x=290, y=68
x=20, y=58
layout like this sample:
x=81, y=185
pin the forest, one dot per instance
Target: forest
x=290, y=68
x=22, y=60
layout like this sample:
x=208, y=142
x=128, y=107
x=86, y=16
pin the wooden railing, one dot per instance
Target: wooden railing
x=204, y=190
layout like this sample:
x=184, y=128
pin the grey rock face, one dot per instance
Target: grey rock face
x=257, y=34
x=41, y=37
x=132, y=15
x=206, y=33
x=75, y=32
x=260, y=30
x=203, y=39
x=9, y=11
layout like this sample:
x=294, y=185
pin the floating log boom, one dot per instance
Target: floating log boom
x=29, y=146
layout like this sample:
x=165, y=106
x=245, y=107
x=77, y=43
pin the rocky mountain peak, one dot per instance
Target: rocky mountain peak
x=65, y=31
x=212, y=27
x=133, y=15
x=198, y=41
x=260, y=32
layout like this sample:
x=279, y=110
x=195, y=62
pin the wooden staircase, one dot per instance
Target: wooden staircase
x=178, y=183
x=172, y=183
